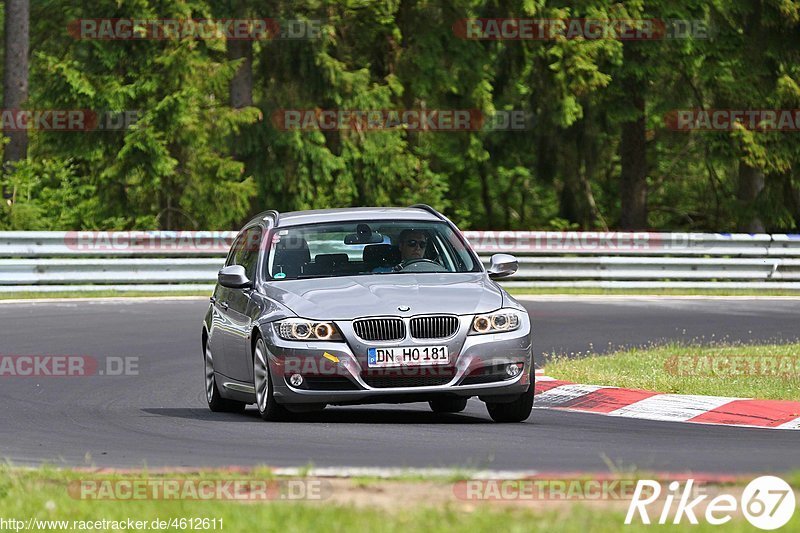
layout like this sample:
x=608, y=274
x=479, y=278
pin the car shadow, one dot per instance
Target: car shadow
x=331, y=415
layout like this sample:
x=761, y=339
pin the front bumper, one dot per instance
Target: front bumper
x=471, y=355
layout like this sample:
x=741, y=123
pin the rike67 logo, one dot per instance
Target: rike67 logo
x=767, y=502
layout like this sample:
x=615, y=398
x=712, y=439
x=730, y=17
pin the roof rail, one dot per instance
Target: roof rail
x=274, y=215
x=429, y=209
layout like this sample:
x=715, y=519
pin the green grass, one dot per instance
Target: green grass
x=96, y=294
x=521, y=291
x=43, y=494
x=767, y=371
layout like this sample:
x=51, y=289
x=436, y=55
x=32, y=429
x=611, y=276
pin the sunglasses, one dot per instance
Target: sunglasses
x=414, y=243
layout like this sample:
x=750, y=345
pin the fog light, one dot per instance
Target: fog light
x=296, y=380
x=513, y=369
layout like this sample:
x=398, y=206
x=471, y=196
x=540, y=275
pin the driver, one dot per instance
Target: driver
x=412, y=243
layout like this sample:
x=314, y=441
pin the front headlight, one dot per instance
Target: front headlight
x=299, y=329
x=497, y=322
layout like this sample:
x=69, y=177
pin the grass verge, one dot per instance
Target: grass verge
x=766, y=371
x=45, y=495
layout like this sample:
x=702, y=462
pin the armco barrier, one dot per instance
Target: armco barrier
x=182, y=260
x=30, y=244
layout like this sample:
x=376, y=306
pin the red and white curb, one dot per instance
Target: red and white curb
x=633, y=403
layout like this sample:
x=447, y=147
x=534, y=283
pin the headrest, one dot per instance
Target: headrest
x=331, y=260
x=291, y=254
x=381, y=254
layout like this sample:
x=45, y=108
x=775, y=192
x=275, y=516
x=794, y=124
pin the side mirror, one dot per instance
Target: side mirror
x=502, y=265
x=233, y=277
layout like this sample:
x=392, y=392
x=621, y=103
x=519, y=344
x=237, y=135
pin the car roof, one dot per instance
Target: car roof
x=315, y=216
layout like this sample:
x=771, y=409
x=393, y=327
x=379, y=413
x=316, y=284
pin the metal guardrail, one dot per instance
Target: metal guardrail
x=215, y=243
x=634, y=243
x=108, y=271
x=165, y=261
x=29, y=244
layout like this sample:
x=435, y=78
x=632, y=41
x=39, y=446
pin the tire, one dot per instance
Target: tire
x=517, y=411
x=216, y=402
x=268, y=408
x=448, y=405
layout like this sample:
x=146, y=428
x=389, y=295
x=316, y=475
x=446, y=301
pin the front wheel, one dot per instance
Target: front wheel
x=217, y=403
x=517, y=411
x=268, y=408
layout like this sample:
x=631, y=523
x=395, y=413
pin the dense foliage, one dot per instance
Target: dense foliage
x=597, y=152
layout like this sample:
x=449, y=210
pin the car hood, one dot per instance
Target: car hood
x=344, y=298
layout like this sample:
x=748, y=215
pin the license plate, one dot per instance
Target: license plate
x=408, y=356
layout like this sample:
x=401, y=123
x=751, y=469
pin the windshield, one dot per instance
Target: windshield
x=367, y=248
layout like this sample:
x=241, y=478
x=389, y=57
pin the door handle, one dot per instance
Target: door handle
x=224, y=305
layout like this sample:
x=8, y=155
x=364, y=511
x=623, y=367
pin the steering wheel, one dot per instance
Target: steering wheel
x=422, y=261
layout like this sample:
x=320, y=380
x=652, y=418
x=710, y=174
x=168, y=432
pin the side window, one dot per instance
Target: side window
x=245, y=251
x=442, y=255
x=235, y=247
x=461, y=255
x=248, y=257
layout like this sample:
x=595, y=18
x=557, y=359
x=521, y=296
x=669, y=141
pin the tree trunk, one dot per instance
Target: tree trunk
x=795, y=202
x=241, y=88
x=486, y=196
x=15, y=75
x=791, y=195
x=751, y=183
x=577, y=202
x=241, y=95
x=633, y=145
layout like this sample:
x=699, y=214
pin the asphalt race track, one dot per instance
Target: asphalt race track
x=159, y=417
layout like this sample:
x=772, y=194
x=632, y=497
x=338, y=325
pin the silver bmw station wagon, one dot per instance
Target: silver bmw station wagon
x=364, y=305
